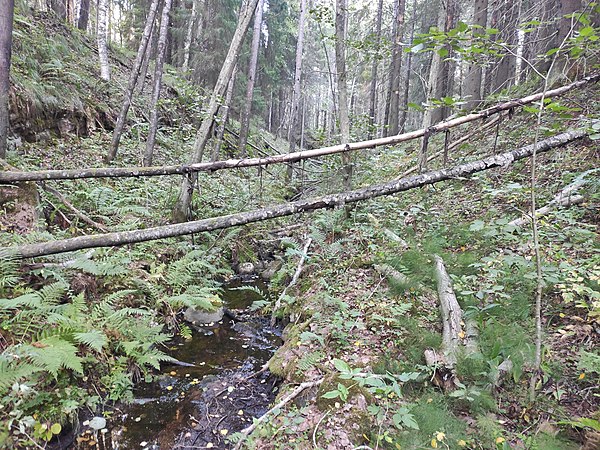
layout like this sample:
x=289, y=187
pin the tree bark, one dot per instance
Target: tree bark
x=188, y=37
x=328, y=201
x=392, y=117
x=374, y=70
x=404, y=108
x=7, y=8
x=158, y=72
x=84, y=15
x=224, y=113
x=294, y=119
x=59, y=8
x=181, y=210
x=118, y=172
x=133, y=79
x=472, y=84
x=101, y=38
x=245, y=119
x=342, y=87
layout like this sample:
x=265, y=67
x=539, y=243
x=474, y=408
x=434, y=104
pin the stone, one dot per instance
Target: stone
x=201, y=317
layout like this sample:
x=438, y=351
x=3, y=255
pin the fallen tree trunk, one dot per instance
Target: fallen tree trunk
x=116, y=172
x=565, y=198
x=294, y=279
x=328, y=201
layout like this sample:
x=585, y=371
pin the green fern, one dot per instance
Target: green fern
x=9, y=264
x=94, y=339
x=52, y=354
x=309, y=360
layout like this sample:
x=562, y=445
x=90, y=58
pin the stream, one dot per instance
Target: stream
x=200, y=406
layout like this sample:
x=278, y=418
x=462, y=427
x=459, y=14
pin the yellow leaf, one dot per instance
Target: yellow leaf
x=440, y=436
x=582, y=376
x=173, y=373
x=169, y=388
x=461, y=335
x=500, y=440
x=462, y=443
x=434, y=443
x=224, y=431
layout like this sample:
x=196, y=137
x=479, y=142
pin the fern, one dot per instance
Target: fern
x=52, y=354
x=309, y=360
x=94, y=339
x=12, y=371
x=8, y=269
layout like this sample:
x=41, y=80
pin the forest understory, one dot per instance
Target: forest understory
x=356, y=288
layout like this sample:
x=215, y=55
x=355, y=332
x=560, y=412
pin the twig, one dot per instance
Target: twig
x=73, y=209
x=294, y=279
x=314, y=436
x=288, y=398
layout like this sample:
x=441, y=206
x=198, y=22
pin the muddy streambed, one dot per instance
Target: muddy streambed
x=200, y=406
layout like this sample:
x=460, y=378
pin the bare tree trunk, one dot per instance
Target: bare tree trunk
x=181, y=210
x=101, y=38
x=224, y=115
x=293, y=124
x=509, y=18
x=340, y=65
x=473, y=78
x=245, y=119
x=147, y=57
x=328, y=201
x=373, y=95
x=158, y=72
x=188, y=37
x=7, y=8
x=84, y=15
x=133, y=79
x=404, y=107
x=392, y=120
x=59, y=8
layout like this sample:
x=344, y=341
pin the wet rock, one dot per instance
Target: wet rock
x=246, y=268
x=196, y=317
x=271, y=269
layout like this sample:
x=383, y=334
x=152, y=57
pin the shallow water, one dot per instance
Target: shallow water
x=188, y=407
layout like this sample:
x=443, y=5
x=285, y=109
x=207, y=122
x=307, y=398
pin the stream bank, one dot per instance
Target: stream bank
x=221, y=391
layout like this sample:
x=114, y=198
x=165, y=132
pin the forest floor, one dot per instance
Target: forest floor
x=358, y=331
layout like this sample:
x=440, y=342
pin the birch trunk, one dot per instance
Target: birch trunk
x=181, y=210
x=7, y=8
x=133, y=79
x=158, y=72
x=188, y=37
x=101, y=38
x=287, y=209
x=245, y=119
x=293, y=123
x=342, y=87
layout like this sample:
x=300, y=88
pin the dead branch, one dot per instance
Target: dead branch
x=294, y=279
x=114, y=172
x=288, y=398
x=73, y=209
x=565, y=198
x=328, y=201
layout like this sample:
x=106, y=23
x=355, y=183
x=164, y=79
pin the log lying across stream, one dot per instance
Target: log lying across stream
x=118, y=172
x=328, y=201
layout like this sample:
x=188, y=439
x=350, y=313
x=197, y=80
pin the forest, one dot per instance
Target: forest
x=300, y=224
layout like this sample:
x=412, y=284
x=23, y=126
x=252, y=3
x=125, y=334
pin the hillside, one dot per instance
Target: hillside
x=348, y=295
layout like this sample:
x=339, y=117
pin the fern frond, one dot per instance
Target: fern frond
x=14, y=371
x=94, y=339
x=52, y=354
x=9, y=264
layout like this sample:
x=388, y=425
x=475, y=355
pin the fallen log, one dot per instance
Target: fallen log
x=565, y=198
x=328, y=201
x=294, y=279
x=115, y=172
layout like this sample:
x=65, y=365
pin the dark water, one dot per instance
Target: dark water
x=189, y=407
